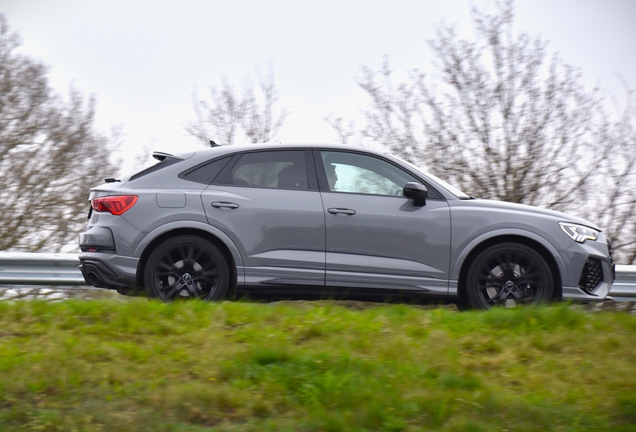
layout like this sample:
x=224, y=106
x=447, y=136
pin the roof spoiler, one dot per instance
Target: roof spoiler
x=160, y=156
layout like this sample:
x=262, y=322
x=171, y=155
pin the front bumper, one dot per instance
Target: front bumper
x=577, y=294
x=591, y=271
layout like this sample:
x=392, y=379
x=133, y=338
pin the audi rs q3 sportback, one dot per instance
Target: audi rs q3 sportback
x=264, y=217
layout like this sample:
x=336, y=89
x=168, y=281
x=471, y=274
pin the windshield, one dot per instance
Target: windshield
x=452, y=189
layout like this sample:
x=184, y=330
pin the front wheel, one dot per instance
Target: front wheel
x=186, y=267
x=508, y=273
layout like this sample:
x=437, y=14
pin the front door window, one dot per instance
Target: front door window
x=356, y=173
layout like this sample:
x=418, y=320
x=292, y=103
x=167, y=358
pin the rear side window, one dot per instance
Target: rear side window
x=207, y=172
x=156, y=167
x=285, y=169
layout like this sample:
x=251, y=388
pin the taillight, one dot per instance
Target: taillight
x=116, y=205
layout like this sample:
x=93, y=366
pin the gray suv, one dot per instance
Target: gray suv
x=329, y=217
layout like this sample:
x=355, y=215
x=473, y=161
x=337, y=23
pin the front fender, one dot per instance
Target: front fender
x=458, y=263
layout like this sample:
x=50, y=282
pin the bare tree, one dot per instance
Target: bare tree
x=393, y=116
x=49, y=155
x=613, y=201
x=262, y=123
x=345, y=132
x=230, y=111
x=221, y=118
x=505, y=121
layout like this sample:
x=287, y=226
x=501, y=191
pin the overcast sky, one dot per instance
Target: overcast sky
x=143, y=58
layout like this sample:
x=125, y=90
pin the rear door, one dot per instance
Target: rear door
x=268, y=203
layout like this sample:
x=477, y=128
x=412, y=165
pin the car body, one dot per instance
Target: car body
x=270, y=216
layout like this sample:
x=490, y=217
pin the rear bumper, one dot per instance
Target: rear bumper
x=108, y=270
x=97, y=238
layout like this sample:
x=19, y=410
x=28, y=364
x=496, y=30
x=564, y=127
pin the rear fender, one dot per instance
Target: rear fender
x=171, y=226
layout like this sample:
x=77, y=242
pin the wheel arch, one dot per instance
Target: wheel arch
x=556, y=266
x=230, y=253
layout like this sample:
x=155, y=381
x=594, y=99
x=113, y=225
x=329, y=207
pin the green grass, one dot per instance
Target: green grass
x=145, y=366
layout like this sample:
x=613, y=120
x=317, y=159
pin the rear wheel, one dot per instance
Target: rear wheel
x=185, y=268
x=508, y=273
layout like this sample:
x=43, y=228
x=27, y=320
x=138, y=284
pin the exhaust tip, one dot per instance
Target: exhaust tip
x=92, y=278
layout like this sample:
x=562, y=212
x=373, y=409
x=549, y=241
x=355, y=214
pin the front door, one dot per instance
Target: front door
x=375, y=237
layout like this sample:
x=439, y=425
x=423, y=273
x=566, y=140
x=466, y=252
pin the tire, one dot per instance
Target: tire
x=186, y=268
x=508, y=271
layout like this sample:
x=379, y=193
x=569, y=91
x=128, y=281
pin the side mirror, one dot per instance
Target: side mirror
x=417, y=192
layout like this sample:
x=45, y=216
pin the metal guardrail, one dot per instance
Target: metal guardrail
x=61, y=269
x=624, y=287
x=23, y=268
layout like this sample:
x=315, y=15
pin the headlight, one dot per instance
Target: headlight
x=578, y=233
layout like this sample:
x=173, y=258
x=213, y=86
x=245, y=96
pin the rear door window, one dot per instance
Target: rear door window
x=285, y=169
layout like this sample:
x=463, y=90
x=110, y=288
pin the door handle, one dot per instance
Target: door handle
x=224, y=204
x=345, y=211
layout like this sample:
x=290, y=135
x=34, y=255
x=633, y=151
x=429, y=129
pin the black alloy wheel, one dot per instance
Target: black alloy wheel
x=186, y=268
x=508, y=274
